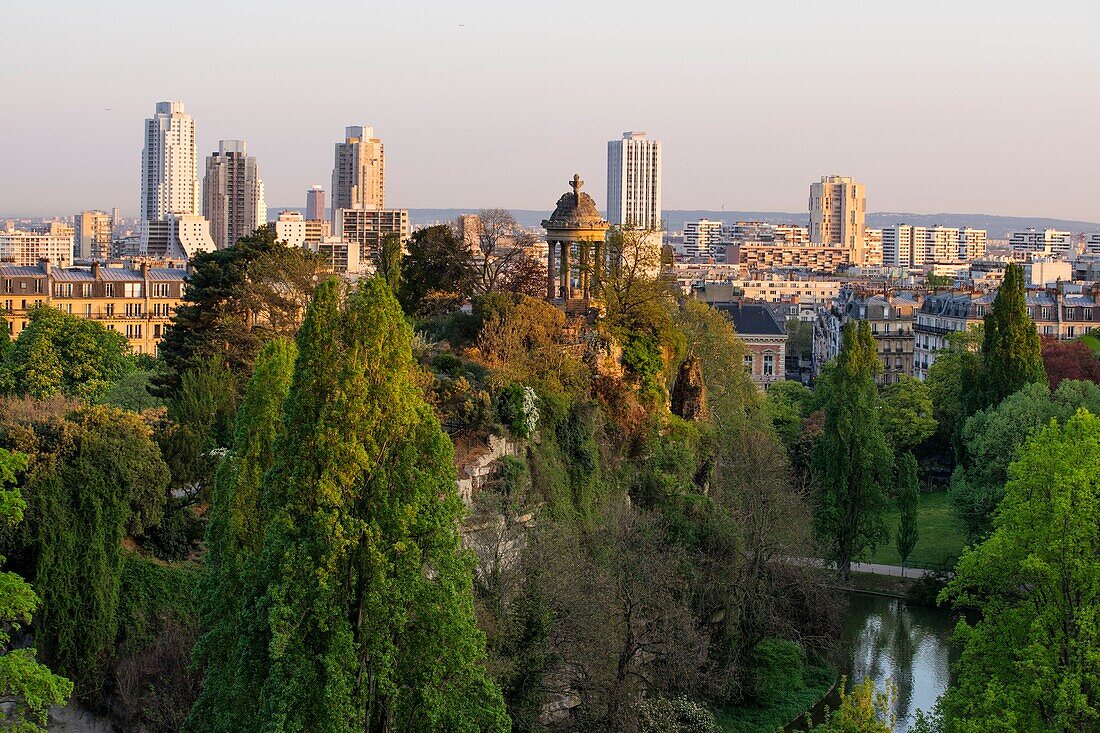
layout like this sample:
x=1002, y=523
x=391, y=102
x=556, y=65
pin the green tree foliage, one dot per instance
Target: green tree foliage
x=907, y=413
x=368, y=593
x=951, y=379
x=708, y=333
x=1011, y=352
x=862, y=710
x=851, y=461
x=908, y=498
x=237, y=299
x=27, y=687
x=234, y=537
x=205, y=403
x=62, y=354
x=388, y=263
x=438, y=272
x=786, y=404
x=1030, y=662
x=109, y=477
x=990, y=439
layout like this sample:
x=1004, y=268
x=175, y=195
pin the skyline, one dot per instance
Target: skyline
x=751, y=107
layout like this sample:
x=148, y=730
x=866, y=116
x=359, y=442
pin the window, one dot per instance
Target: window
x=156, y=330
x=131, y=290
x=748, y=362
x=769, y=364
x=87, y=310
x=109, y=310
x=110, y=290
x=22, y=284
x=161, y=290
x=86, y=290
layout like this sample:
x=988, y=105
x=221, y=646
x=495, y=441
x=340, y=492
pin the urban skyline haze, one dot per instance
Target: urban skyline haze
x=935, y=106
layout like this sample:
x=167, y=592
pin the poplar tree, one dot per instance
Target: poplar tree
x=851, y=461
x=908, y=498
x=234, y=537
x=1011, y=353
x=369, y=596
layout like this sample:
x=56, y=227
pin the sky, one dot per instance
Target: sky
x=969, y=106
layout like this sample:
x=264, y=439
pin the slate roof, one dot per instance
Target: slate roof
x=752, y=319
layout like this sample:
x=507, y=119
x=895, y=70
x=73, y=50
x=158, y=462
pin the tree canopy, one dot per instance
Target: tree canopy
x=1011, y=355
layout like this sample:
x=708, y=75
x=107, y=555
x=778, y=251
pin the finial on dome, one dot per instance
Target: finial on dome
x=576, y=183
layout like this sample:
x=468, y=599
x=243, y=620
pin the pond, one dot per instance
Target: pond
x=886, y=639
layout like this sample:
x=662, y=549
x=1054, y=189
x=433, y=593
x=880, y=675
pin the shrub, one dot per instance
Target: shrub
x=778, y=667
x=678, y=715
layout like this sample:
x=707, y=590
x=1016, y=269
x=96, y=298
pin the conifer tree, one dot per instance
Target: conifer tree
x=234, y=538
x=852, y=460
x=908, y=498
x=1011, y=353
x=369, y=596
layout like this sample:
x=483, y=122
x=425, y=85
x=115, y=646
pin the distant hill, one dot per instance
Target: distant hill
x=997, y=226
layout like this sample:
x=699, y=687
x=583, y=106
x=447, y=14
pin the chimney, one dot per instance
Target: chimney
x=44, y=263
x=95, y=269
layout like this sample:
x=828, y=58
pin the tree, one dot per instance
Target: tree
x=388, y=264
x=368, y=596
x=27, y=687
x=631, y=289
x=437, y=272
x=786, y=404
x=907, y=413
x=502, y=263
x=708, y=333
x=1069, y=360
x=953, y=376
x=1011, y=356
x=237, y=299
x=851, y=460
x=1030, y=663
x=62, y=354
x=991, y=437
x=862, y=710
x=908, y=500
x=234, y=537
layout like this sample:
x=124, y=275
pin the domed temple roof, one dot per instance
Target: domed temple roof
x=575, y=210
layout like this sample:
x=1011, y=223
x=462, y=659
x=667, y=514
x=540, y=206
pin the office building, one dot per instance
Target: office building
x=359, y=172
x=25, y=248
x=169, y=167
x=702, y=239
x=92, y=235
x=634, y=182
x=315, y=203
x=232, y=193
x=838, y=214
x=367, y=227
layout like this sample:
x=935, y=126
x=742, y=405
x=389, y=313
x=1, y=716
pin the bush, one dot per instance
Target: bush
x=779, y=666
x=642, y=356
x=926, y=589
x=678, y=715
x=518, y=409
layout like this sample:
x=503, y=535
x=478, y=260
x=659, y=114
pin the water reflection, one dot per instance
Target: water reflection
x=884, y=638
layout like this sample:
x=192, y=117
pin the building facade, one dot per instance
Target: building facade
x=232, y=193
x=367, y=227
x=169, y=166
x=176, y=237
x=315, y=204
x=764, y=337
x=25, y=248
x=359, y=172
x=702, y=239
x=1048, y=242
x=904, y=245
x=136, y=303
x=892, y=321
x=92, y=235
x=294, y=231
x=838, y=215
x=634, y=182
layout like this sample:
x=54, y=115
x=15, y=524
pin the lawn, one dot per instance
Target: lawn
x=1092, y=340
x=818, y=681
x=940, y=538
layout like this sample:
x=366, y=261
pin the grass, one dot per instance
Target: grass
x=1092, y=340
x=818, y=681
x=940, y=537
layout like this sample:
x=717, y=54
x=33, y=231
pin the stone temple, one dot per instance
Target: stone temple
x=576, y=250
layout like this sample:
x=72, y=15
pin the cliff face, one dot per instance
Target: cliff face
x=689, y=395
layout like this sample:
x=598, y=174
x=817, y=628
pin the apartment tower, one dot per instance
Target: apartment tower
x=634, y=182
x=315, y=203
x=92, y=232
x=232, y=193
x=838, y=214
x=169, y=167
x=358, y=174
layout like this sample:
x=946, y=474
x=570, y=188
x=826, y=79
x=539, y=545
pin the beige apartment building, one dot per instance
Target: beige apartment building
x=838, y=215
x=753, y=256
x=359, y=172
x=26, y=248
x=892, y=326
x=137, y=303
x=367, y=227
x=92, y=235
x=232, y=193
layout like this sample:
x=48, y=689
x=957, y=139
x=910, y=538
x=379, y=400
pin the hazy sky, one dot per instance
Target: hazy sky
x=965, y=105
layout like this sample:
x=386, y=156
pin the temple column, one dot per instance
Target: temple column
x=566, y=284
x=597, y=266
x=551, y=290
x=585, y=292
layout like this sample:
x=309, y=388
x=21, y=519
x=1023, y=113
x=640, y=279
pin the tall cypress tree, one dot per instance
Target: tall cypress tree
x=234, y=537
x=369, y=598
x=851, y=461
x=1011, y=354
x=908, y=498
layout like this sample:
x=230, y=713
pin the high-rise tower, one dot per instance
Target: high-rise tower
x=169, y=168
x=634, y=182
x=232, y=193
x=838, y=214
x=315, y=203
x=358, y=173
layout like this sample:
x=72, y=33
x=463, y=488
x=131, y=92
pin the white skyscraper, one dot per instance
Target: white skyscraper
x=233, y=193
x=359, y=171
x=634, y=181
x=169, y=166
